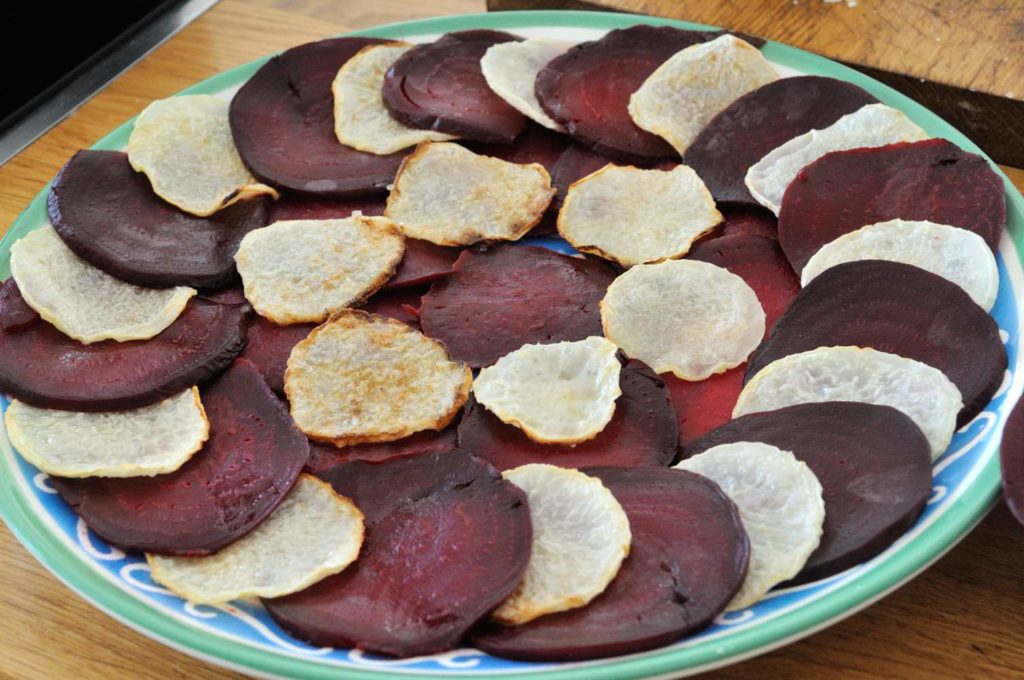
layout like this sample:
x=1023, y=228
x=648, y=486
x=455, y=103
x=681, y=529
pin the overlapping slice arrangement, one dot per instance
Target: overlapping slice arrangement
x=536, y=518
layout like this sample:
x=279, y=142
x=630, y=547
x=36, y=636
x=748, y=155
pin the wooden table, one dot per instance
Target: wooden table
x=964, y=617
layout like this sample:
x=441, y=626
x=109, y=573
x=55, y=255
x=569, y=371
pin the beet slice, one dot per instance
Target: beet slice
x=323, y=457
x=873, y=462
x=250, y=462
x=703, y=405
x=1011, y=456
x=900, y=309
x=269, y=345
x=687, y=559
x=642, y=431
x=15, y=314
x=447, y=539
x=402, y=304
x=498, y=299
x=759, y=121
x=760, y=262
x=300, y=207
x=423, y=262
x=587, y=89
x=45, y=368
x=747, y=221
x=109, y=216
x=439, y=86
x=282, y=121
x=930, y=180
x=535, y=144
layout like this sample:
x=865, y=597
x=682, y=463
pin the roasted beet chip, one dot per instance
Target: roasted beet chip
x=402, y=304
x=535, y=144
x=703, y=405
x=323, y=457
x=269, y=345
x=302, y=207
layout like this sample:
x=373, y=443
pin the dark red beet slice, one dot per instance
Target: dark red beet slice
x=576, y=162
x=761, y=120
x=930, y=180
x=873, y=462
x=323, y=457
x=642, y=431
x=422, y=263
x=900, y=309
x=747, y=221
x=587, y=89
x=402, y=304
x=447, y=539
x=300, y=207
x=282, y=120
x=535, y=144
x=269, y=346
x=109, y=216
x=439, y=86
x=760, y=262
x=1011, y=455
x=703, y=405
x=45, y=368
x=15, y=314
x=498, y=299
x=250, y=462
x=687, y=559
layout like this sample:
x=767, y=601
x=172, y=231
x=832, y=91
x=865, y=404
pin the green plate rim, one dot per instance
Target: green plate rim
x=931, y=544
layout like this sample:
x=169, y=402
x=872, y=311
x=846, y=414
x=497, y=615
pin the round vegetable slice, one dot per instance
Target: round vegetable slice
x=447, y=540
x=641, y=432
x=899, y=309
x=146, y=441
x=402, y=304
x=268, y=346
x=43, y=367
x=183, y=145
x=858, y=374
x=562, y=393
x=323, y=457
x=869, y=126
x=252, y=459
x=687, y=559
x=282, y=120
x=930, y=180
x=499, y=299
x=580, y=538
x=779, y=500
x=423, y=262
x=873, y=463
x=535, y=144
x=1011, y=456
x=365, y=378
x=109, y=216
x=748, y=222
x=703, y=405
x=293, y=206
x=439, y=86
x=691, y=318
x=759, y=121
x=311, y=535
x=510, y=69
x=83, y=301
x=600, y=214
x=305, y=270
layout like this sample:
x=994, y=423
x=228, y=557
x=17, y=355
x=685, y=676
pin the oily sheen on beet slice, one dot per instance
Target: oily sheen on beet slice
x=703, y=405
x=250, y=462
x=587, y=89
x=1011, y=455
x=323, y=457
x=439, y=86
x=759, y=121
x=900, y=309
x=109, y=216
x=873, y=463
x=45, y=368
x=282, y=121
x=930, y=180
x=447, y=539
x=498, y=299
x=642, y=431
x=687, y=559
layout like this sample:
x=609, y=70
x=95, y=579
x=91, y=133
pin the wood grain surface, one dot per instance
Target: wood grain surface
x=964, y=617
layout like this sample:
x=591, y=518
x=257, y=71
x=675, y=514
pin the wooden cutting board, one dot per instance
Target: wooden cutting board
x=963, y=59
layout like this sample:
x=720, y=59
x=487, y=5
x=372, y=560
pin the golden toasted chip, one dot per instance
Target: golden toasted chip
x=85, y=302
x=688, y=317
x=141, y=442
x=366, y=378
x=511, y=68
x=580, y=537
x=695, y=85
x=448, y=195
x=953, y=253
x=561, y=393
x=858, y=374
x=314, y=533
x=305, y=270
x=871, y=125
x=184, y=146
x=360, y=118
x=602, y=214
x=780, y=504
